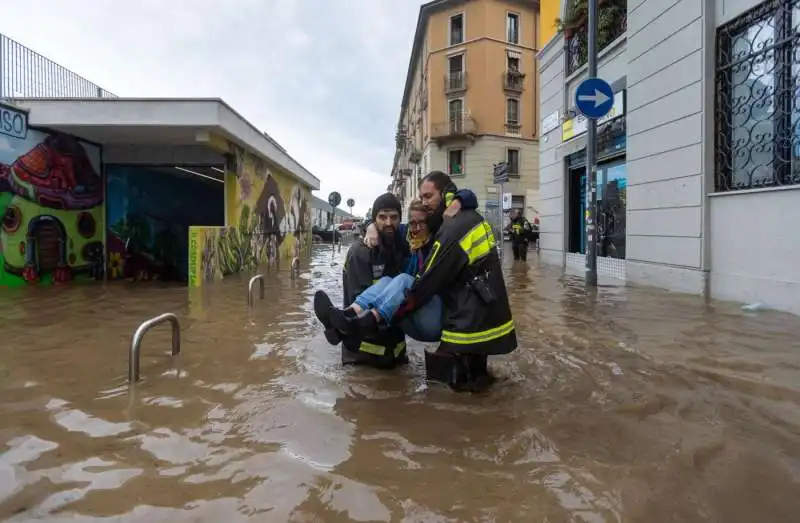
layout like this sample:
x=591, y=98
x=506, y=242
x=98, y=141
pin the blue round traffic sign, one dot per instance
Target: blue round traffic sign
x=594, y=98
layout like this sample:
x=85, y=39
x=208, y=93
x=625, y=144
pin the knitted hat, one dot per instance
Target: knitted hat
x=386, y=202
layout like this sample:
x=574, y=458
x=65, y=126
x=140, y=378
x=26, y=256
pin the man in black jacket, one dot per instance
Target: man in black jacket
x=364, y=266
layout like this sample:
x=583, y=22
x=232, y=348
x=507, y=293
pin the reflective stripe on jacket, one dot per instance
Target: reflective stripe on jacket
x=465, y=248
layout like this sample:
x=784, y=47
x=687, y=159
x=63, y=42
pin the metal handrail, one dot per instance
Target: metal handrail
x=136, y=342
x=295, y=267
x=260, y=279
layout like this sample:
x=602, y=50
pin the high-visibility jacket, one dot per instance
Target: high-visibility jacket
x=464, y=269
x=364, y=266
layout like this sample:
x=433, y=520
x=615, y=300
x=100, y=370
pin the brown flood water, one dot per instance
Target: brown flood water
x=636, y=406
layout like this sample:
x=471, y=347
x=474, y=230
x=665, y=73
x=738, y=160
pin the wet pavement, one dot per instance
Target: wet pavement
x=633, y=405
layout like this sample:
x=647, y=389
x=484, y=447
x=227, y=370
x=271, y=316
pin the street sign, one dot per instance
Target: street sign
x=351, y=202
x=500, y=172
x=13, y=122
x=334, y=199
x=594, y=98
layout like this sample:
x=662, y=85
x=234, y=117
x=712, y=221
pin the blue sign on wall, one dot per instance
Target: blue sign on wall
x=594, y=98
x=13, y=122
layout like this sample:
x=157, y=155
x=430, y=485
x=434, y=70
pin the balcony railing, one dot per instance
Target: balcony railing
x=612, y=23
x=26, y=73
x=455, y=81
x=513, y=81
x=513, y=128
x=454, y=127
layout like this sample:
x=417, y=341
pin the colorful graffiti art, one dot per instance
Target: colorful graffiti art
x=149, y=214
x=203, y=259
x=51, y=204
x=268, y=213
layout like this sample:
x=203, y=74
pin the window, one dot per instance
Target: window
x=456, y=29
x=512, y=111
x=512, y=116
x=455, y=161
x=512, y=28
x=757, y=114
x=513, y=64
x=455, y=112
x=455, y=72
x=512, y=159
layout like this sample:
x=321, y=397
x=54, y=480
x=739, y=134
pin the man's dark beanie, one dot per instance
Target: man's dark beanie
x=385, y=202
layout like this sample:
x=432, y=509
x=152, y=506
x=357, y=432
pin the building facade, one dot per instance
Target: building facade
x=699, y=161
x=321, y=216
x=470, y=100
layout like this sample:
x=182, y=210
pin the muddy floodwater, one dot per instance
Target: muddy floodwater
x=634, y=405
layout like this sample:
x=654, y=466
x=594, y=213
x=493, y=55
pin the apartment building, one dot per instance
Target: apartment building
x=470, y=101
x=698, y=162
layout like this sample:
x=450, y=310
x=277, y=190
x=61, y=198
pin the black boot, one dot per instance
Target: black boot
x=348, y=323
x=322, y=308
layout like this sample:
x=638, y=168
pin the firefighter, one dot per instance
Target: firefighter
x=464, y=269
x=520, y=231
x=386, y=254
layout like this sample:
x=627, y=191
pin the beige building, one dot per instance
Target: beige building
x=470, y=100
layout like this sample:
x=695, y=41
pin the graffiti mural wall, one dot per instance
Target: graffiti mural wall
x=268, y=219
x=149, y=214
x=203, y=259
x=51, y=206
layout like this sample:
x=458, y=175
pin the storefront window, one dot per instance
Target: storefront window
x=612, y=201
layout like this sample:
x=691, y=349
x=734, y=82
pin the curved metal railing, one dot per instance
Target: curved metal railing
x=257, y=278
x=136, y=342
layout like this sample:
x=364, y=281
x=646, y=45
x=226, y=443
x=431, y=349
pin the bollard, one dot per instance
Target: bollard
x=136, y=342
x=260, y=279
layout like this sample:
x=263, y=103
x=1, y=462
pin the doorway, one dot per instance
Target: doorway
x=611, y=203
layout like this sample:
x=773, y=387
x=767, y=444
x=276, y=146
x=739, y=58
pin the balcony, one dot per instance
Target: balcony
x=612, y=22
x=404, y=173
x=513, y=81
x=456, y=127
x=513, y=128
x=400, y=138
x=455, y=82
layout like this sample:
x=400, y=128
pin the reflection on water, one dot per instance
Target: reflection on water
x=627, y=405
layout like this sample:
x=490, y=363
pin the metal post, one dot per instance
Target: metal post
x=333, y=232
x=501, y=223
x=257, y=278
x=591, y=153
x=136, y=342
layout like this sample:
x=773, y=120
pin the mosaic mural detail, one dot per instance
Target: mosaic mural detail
x=51, y=206
x=149, y=214
x=268, y=220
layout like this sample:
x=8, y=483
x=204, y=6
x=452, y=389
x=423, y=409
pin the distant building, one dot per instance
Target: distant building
x=470, y=101
x=321, y=214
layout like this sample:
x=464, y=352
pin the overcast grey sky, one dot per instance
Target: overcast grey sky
x=323, y=77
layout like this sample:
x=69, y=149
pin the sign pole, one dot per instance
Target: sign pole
x=501, y=213
x=500, y=175
x=591, y=155
x=334, y=199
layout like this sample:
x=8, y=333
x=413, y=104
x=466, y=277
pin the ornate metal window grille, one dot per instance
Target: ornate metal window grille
x=757, y=109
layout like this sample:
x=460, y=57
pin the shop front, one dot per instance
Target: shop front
x=611, y=183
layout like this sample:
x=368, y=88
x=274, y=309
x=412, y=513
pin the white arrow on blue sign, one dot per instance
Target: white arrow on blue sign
x=594, y=98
